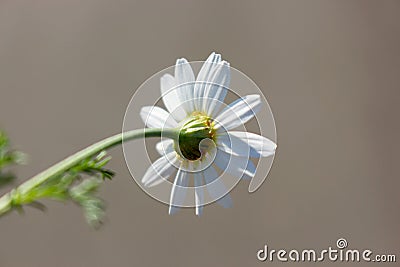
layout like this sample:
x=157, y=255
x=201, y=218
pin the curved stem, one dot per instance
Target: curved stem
x=64, y=165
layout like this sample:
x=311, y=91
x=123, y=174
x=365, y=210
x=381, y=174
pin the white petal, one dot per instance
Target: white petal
x=216, y=188
x=240, y=167
x=239, y=112
x=185, y=80
x=262, y=145
x=178, y=192
x=159, y=171
x=250, y=170
x=156, y=117
x=199, y=192
x=235, y=146
x=216, y=90
x=205, y=76
x=170, y=97
x=165, y=146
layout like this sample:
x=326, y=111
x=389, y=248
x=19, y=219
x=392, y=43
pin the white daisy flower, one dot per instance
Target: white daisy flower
x=206, y=143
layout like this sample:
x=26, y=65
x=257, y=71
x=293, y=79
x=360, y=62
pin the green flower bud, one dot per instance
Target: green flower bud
x=194, y=130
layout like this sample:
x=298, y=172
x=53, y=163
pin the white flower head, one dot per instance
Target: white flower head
x=207, y=143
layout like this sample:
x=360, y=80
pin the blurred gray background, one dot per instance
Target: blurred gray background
x=330, y=71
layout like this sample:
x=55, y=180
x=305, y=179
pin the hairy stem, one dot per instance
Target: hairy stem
x=71, y=161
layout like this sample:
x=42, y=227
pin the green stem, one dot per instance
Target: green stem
x=64, y=165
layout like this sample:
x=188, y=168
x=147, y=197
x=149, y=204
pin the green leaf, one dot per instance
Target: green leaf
x=79, y=184
x=8, y=158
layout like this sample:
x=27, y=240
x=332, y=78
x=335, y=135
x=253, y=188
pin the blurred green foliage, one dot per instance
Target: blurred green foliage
x=8, y=158
x=79, y=183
